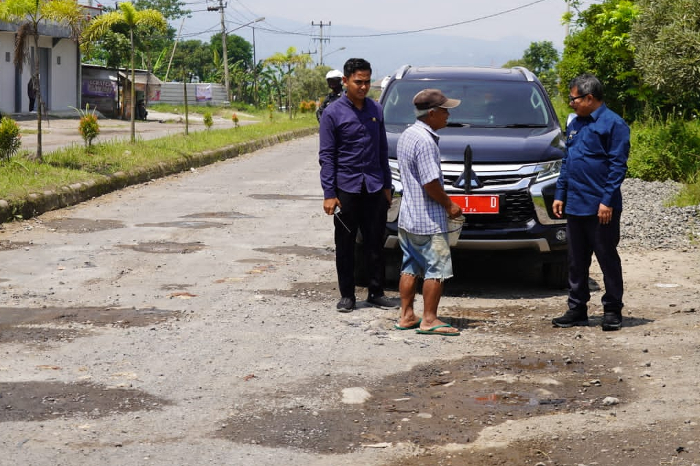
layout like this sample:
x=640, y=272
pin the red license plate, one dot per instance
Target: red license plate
x=477, y=203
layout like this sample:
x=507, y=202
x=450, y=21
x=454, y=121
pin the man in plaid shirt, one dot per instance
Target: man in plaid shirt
x=425, y=207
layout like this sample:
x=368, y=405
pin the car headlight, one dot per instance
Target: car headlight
x=548, y=170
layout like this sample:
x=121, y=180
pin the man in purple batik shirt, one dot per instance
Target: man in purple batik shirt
x=356, y=180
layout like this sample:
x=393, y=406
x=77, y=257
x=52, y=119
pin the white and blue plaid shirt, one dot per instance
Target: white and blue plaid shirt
x=419, y=164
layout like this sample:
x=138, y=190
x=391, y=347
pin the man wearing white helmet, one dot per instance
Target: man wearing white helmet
x=334, y=78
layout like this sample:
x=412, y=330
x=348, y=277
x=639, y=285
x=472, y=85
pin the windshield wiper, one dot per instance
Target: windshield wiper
x=525, y=125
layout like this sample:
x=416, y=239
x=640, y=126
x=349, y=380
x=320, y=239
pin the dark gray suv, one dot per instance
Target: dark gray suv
x=507, y=136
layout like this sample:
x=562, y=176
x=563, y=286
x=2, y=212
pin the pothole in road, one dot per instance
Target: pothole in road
x=660, y=443
x=286, y=197
x=303, y=251
x=183, y=224
x=37, y=325
x=434, y=404
x=165, y=247
x=6, y=245
x=40, y=401
x=308, y=290
x=218, y=215
x=82, y=225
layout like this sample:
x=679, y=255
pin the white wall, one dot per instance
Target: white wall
x=63, y=77
x=7, y=72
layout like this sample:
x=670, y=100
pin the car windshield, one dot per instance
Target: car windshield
x=484, y=103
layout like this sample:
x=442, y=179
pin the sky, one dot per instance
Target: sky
x=388, y=33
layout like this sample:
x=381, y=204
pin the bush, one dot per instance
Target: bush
x=307, y=106
x=89, y=129
x=666, y=150
x=208, y=120
x=10, y=138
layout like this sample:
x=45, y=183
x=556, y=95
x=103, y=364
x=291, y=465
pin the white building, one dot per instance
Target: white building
x=59, y=70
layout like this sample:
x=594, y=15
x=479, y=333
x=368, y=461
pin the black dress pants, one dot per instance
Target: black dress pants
x=366, y=211
x=587, y=236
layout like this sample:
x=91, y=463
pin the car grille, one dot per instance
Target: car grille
x=517, y=210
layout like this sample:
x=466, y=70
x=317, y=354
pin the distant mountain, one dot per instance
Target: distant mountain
x=385, y=53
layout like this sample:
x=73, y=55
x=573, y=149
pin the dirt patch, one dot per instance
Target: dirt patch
x=41, y=401
x=165, y=247
x=217, y=215
x=303, y=251
x=312, y=291
x=37, y=325
x=10, y=245
x=183, y=224
x=658, y=444
x=286, y=197
x=434, y=404
x=82, y=225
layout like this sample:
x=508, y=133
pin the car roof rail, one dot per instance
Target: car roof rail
x=529, y=75
x=401, y=72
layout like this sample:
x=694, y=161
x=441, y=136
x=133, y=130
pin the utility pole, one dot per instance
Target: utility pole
x=321, y=39
x=220, y=8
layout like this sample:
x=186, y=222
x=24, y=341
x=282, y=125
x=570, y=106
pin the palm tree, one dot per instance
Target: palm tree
x=131, y=18
x=29, y=15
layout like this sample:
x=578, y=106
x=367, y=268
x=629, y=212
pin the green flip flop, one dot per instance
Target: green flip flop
x=432, y=331
x=416, y=325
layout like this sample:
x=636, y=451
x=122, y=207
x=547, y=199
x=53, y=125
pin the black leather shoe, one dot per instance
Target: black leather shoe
x=345, y=304
x=382, y=302
x=612, y=320
x=571, y=319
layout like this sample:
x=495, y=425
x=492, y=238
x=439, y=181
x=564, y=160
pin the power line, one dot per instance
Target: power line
x=415, y=31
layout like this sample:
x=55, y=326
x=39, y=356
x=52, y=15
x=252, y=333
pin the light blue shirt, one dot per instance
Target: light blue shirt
x=419, y=164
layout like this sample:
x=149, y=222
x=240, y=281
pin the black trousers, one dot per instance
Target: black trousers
x=366, y=211
x=587, y=236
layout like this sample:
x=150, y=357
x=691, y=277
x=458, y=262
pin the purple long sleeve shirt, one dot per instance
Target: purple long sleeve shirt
x=353, y=148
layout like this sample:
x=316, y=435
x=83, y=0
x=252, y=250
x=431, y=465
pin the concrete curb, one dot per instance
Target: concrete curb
x=38, y=203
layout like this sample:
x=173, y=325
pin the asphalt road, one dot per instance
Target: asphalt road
x=190, y=321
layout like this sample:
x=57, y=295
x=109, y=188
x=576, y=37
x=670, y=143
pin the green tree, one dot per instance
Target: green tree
x=540, y=58
x=286, y=64
x=310, y=83
x=600, y=44
x=133, y=19
x=29, y=15
x=666, y=37
x=195, y=57
x=237, y=48
x=170, y=9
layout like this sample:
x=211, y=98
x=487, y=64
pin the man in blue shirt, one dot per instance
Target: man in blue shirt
x=356, y=182
x=588, y=191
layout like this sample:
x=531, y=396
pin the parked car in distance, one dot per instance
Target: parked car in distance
x=501, y=155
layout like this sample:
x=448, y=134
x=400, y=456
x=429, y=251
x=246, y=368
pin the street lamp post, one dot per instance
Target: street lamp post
x=336, y=50
x=223, y=40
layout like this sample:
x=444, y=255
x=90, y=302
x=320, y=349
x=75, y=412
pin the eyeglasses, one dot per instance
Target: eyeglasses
x=575, y=98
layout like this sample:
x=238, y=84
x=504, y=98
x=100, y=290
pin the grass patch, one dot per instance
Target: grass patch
x=20, y=177
x=244, y=112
